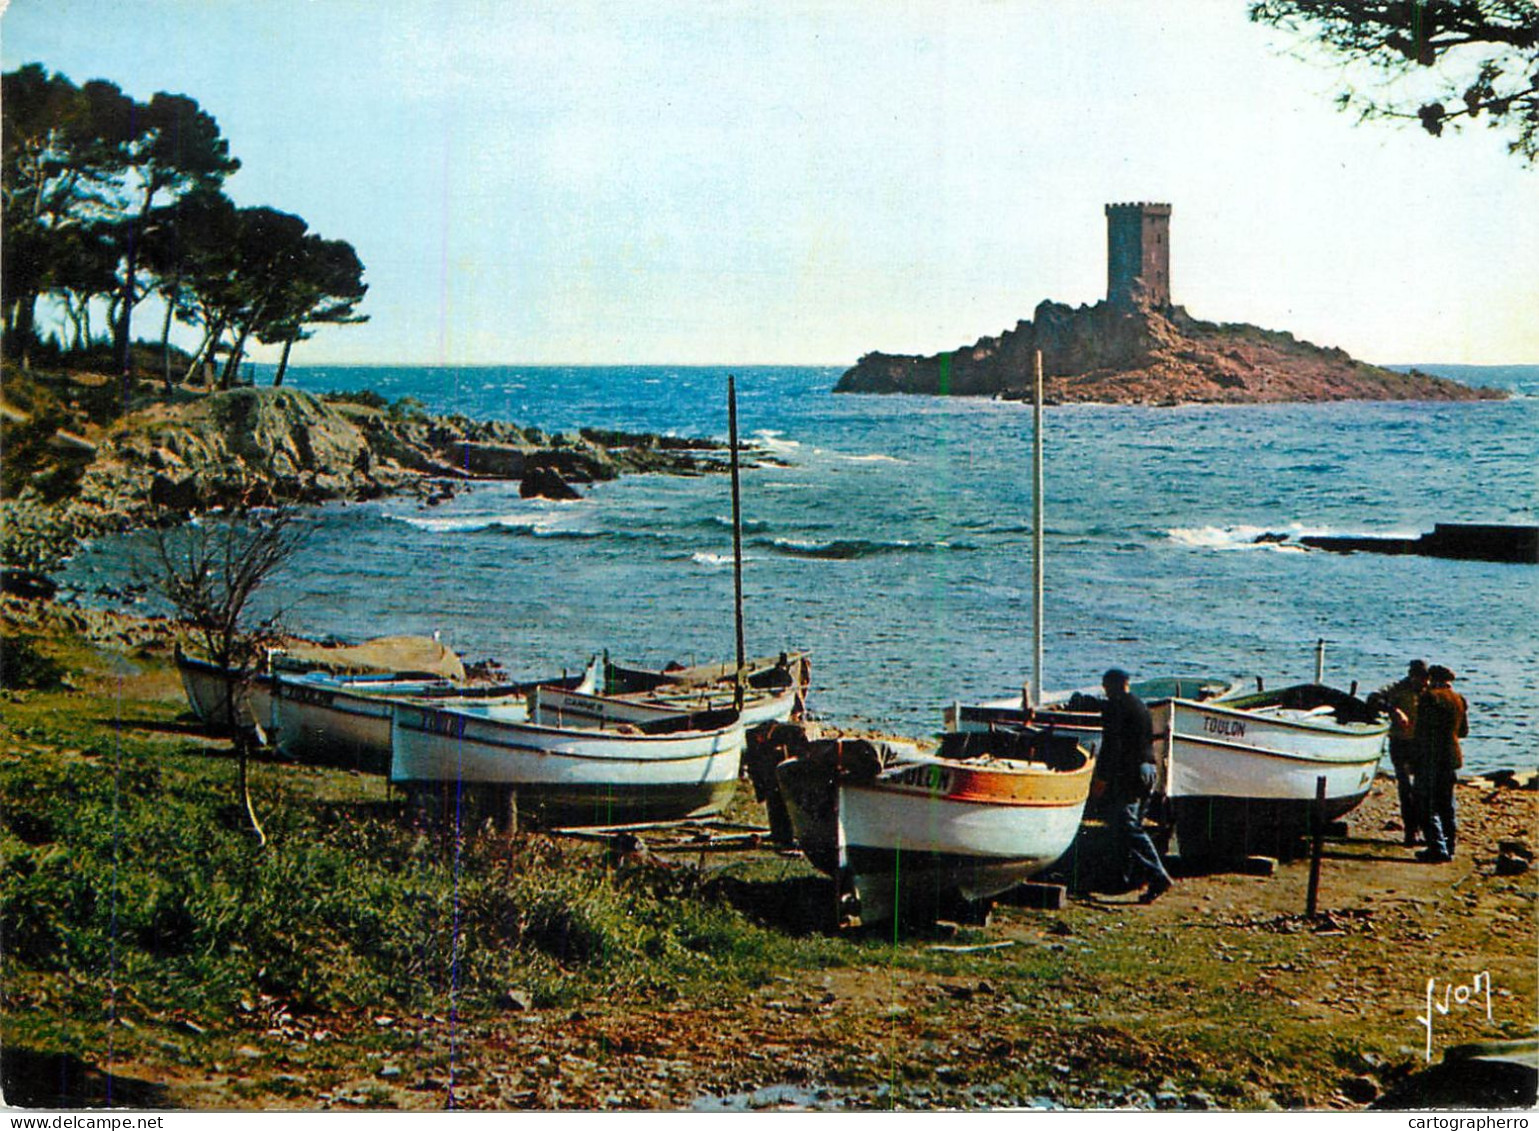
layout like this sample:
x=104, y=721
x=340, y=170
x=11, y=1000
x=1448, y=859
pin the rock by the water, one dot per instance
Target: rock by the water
x=28, y=584
x=546, y=483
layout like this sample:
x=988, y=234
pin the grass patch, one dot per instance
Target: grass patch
x=126, y=865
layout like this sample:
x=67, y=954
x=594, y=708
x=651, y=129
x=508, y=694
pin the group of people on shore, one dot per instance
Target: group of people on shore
x=1427, y=720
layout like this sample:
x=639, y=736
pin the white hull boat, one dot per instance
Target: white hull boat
x=561, y=706
x=913, y=833
x=1078, y=712
x=346, y=719
x=664, y=768
x=1242, y=772
x=207, y=685
x=341, y=720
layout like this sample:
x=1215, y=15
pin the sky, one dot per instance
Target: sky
x=803, y=181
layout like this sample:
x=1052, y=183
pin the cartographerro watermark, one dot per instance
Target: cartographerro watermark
x=1469, y=996
x=1466, y=1123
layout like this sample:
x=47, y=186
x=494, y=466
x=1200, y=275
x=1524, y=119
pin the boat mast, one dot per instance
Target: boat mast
x=737, y=541
x=1036, y=529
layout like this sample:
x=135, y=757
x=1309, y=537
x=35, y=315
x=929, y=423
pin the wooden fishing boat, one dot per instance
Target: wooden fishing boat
x=207, y=684
x=760, y=706
x=912, y=833
x=668, y=766
x=208, y=688
x=1079, y=712
x=1242, y=771
x=341, y=720
x=345, y=719
x=762, y=673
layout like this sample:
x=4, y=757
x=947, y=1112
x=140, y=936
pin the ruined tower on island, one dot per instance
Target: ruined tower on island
x=1138, y=254
x=1139, y=347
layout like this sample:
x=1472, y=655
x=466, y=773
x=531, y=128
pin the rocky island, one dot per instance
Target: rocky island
x=1136, y=347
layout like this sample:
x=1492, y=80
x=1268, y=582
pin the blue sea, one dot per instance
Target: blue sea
x=892, y=537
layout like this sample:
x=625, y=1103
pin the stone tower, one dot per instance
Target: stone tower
x=1138, y=254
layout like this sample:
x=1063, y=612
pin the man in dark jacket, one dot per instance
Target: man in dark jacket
x=1127, y=767
x=1400, y=700
x=1442, y=719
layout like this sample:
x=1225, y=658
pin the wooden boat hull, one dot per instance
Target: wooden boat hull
x=344, y=720
x=561, y=707
x=1242, y=776
x=1077, y=713
x=340, y=721
x=206, y=685
x=776, y=686
x=570, y=774
x=928, y=828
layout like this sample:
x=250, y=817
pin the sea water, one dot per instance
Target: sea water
x=891, y=536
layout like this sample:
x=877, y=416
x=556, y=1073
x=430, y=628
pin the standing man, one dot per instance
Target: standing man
x=1401, y=698
x=1127, y=763
x=1442, y=719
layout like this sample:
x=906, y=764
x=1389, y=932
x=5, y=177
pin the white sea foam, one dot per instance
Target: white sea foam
x=874, y=457
x=456, y=524
x=775, y=441
x=1285, y=538
x=1240, y=537
x=705, y=559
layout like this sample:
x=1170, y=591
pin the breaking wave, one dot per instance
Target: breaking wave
x=775, y=441
x=850, y=549
x=469, y=524
x=722, y=521
x=1283, y=539
x=516, y=525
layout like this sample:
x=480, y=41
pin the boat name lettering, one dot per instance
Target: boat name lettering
x=934, y=778
x=312, y=695
x=442, y=722
x=1232, y=727
x=1454, y=995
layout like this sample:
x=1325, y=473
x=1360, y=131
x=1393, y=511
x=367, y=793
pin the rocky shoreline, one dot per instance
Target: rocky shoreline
x=168, y=460
x=1137, y=353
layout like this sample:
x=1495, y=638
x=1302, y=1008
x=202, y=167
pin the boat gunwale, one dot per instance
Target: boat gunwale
x=588, y=733
x=1263, y=752
x=1336, y=729
x=879, y=786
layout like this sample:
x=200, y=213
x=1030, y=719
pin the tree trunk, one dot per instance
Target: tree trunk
x=209, y=336
x=76, y=314
x=283, y=362
x=243, y=756
x=232, y=365
x=122, y=338
x=165, y=344
x=24, y=328
x=241, y=736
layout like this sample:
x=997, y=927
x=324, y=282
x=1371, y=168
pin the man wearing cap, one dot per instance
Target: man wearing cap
x=1400, y=698
x=1442, y=719
x=1127, y=766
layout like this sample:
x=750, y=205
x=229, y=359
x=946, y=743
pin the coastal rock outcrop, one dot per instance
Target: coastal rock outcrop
x=264, y=446
x=1139, y=353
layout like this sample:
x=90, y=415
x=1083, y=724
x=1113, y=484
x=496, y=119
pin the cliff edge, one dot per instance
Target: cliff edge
x=1136, y=353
